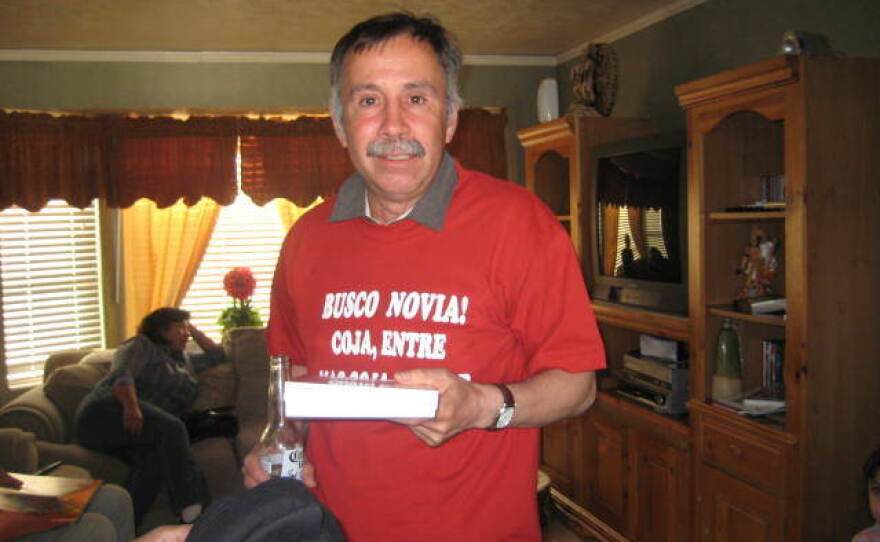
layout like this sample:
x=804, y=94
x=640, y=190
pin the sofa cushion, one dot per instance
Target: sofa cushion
x=67, y=386
x=101, y=359
x=35, y=413
x=63, y=358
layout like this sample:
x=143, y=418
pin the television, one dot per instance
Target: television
x=638, y=230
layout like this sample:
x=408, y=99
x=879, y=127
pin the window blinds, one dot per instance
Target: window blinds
x=50, y=273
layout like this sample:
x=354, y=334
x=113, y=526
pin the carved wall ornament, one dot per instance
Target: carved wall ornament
x=594, y=81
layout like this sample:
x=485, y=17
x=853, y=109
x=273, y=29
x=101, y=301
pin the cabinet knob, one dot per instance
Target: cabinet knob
x=735, y=450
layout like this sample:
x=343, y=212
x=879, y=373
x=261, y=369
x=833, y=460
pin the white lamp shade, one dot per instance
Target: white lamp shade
x=548, y=100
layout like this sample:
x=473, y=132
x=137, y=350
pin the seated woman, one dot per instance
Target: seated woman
x=135, y=411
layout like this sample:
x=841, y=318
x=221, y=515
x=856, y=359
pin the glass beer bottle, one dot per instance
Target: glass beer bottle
x=281, y=445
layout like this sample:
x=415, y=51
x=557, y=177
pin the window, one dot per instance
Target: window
x=653, y=226
x=245, y=235
x=50, y=278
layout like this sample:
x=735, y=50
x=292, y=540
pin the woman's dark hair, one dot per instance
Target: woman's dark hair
x=378, y=30
x=158, y=321
x=872, y=464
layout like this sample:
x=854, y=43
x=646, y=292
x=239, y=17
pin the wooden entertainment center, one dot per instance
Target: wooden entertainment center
x=628, y=473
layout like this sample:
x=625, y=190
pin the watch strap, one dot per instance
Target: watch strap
x=505, y=413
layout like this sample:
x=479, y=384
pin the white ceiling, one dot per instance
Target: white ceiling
x=543, y=28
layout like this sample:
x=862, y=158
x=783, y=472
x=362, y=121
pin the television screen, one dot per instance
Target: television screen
x=638, y=215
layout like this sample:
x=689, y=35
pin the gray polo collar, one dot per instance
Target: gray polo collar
x=429, y=211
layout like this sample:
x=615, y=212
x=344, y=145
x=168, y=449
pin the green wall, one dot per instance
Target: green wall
x=719, y=35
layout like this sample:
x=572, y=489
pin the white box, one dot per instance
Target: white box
x=315, y=397
x=657, y=347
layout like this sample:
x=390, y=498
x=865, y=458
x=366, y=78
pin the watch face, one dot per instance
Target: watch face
x=504, y=418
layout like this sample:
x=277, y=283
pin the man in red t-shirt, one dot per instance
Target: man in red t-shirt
x=426, y=273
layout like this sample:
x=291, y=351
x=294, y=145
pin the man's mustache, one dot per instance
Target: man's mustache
x=387, y=147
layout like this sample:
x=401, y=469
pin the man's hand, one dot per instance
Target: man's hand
x=132, y=419
x=166, y=533
x=463, y=405
x=254, y=474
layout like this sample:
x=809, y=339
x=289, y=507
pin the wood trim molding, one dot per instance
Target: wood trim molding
x=774, y=72
x=580, y=520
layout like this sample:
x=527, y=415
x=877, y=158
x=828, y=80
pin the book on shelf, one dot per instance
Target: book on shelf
x=773, y=360
x=761, y=206
x=758, y=402
x=344, y=398
x=768, y=304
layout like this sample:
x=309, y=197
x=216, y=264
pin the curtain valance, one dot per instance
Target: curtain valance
x=42, y=157
x=115, y=158
x=122, y=159
x=298, y=160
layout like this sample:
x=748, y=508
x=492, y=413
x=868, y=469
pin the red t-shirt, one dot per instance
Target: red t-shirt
x=497, y=294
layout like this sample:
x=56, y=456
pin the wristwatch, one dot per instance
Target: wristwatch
x=505, y=413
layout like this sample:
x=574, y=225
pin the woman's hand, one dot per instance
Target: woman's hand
x=132, y=419
x=205, y=343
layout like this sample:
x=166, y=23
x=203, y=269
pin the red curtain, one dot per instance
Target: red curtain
x=117, y=159
x=121, y=160
x=44, y=157
x=298, y=160
x=479, y=141
x=165, y=159
x=302, y=159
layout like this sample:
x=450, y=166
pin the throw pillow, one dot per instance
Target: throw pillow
x=67, y=386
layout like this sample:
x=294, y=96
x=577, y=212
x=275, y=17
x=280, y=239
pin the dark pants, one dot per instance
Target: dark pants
x=159, y=454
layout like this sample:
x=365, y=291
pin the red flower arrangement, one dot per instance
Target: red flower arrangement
x=240, y=284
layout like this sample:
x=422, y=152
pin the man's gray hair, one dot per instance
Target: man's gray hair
x=380, y=29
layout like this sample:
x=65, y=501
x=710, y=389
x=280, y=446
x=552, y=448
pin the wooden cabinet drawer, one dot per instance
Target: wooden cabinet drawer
x=744, y=456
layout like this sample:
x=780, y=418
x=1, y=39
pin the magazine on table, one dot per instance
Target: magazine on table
x=48, y=495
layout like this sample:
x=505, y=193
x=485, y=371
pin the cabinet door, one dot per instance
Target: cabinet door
x=659, y=497
x=562, y=459
x=733, y=511
x=606, y=468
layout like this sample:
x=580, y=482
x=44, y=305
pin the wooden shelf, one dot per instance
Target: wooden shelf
x=727, y=311
x=660, y=324
x=747, y=216
x=642, y=415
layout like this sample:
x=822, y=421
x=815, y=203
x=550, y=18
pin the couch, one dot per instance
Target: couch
x=47, y=411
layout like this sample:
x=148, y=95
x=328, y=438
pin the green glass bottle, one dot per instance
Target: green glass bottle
x=727, y=380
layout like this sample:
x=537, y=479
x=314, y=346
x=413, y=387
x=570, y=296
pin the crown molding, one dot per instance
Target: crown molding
x=231, y=57
x=632, y=27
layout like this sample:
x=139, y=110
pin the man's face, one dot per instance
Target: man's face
x=395, y=123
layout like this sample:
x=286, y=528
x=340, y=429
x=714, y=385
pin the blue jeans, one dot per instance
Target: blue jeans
x=159, y=454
